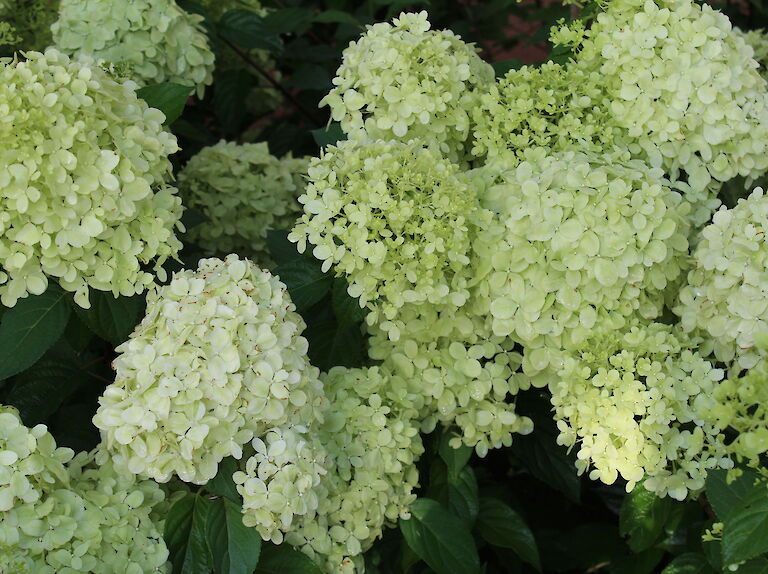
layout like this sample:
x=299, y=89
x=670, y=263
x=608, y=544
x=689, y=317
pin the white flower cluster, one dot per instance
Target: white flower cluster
x=67, y=516
x=159, y=41
x=741, y=404
x=244, y=191
x=577, y=240
x=726, y=291
x=758, y=41
x=630, y=401
x=448, y=367
x=402, y=80
x=218, y=359
x=685, y=88
x=281, y=478
x=552, y=106
x=84, y=171
x=370, y=449
x=392, y=217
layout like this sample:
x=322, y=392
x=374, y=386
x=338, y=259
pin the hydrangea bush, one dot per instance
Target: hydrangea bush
x=453, y=315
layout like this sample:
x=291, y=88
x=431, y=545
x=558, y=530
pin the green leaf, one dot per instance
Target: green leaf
x=285, y=560
x=724, y=496
x=185, y=535
x=332, y=344
x=306, y=283
x=248, y=30
x=39, y=391
x=745, y=532
x=499, y=525
x=440, y=539
x=501, y=68
x=235, y=548
x=31, y=328
x=688, y=563
x=168, y=97
x=455, y=458
x=288, y=20
x=463, y=495
x=282, y=250
x=642, y=518
x=328, y=135
x=644, y=562
x=231, y=89
x=545, y=459
x=222, y=484
x=112, y=318
x=346, y=309
x=192, y=218
x=337, y=17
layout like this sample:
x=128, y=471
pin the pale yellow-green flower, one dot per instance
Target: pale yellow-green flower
x=85, y=178
x=159, y=41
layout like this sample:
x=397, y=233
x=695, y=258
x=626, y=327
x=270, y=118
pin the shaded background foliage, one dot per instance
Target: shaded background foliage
x=519, y=510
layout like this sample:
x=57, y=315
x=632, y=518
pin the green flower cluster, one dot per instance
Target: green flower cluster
x=576, y=240
x=243, y=191
x=551, y=106
x=758, y=41
x=218, y=359
x=159, y=41
x=85, y=176
x=61, y=515
x=631, y=400
x=392, y=217
x=741, y=404
x=403, y=80
x=684, y=87
x=725, y=295
x=371, y=447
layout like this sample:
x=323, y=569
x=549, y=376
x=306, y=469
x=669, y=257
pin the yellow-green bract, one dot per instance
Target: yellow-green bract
x=85, y=176
x=244, y=191
x=218, y=359
x=156, y=39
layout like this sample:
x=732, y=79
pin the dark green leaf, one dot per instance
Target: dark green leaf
x=113, y=319
x=455, y=458
x=192, y=218
x=288, y=20
x=463, y=495
x=501, y=526
x=309, y=76
x=306, y=283
x=548, y=461
x=185, y=535
x=284, y=560
x=756, y=566
x=331, y=344
x=234, y=547
x=724, y=496
x=248, y=30
x=501, y=68
x=688, y=563
x=77, y=334
x=31, y=328
x=440, y=539
x=745, y=533
x=642, y=518
x=336, y=17
x=282, y=250
x=346, y=309
x=39, y=391
x=328, y=135
x=222, y=484
x=231, y=89
x=169, y=98
x=644, y=562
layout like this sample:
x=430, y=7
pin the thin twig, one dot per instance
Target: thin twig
x=266, y=75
